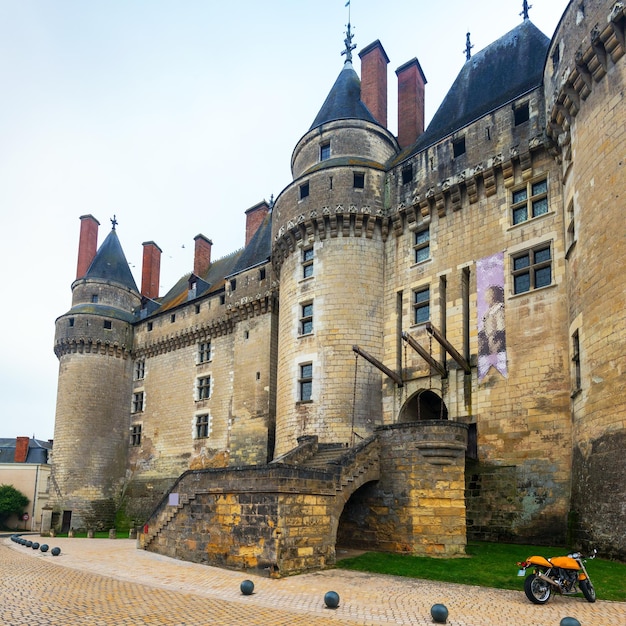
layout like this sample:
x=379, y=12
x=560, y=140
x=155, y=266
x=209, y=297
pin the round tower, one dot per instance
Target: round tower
x=93, y=343
x=328, y=231
x=585, y=81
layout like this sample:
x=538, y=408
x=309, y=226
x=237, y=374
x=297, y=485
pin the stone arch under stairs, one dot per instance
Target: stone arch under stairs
x=283, y=517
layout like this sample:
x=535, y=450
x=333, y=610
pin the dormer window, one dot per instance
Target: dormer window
x=325, y=152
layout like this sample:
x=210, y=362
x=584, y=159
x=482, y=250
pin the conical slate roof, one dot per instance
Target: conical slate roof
x=344, y=100
x=501, y=72
x=110, y=264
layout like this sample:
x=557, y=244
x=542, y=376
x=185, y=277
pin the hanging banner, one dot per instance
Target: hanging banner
x=491, y=326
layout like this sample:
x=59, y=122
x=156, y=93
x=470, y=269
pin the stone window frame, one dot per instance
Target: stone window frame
x=531, y=265
x=358, y=180
x=308, y=257
x=530, y=198
x=305, y=323
x=139, y=402
x=203, y=425
x=304, y=191
x=325, y=151
x=421, y=304
x=421, y=245
x=136, y=435
x=305, y=382
x=204, y=387
x=204, y=353
x=139, y=370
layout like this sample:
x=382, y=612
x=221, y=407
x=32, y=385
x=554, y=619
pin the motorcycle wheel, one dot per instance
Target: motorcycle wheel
x=588, y=591
x=537, y=591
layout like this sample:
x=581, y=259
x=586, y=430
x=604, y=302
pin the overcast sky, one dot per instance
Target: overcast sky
x=175, y=116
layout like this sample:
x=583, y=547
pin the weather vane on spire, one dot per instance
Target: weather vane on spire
x=525, y=10
x=468, y=47
x=114, y=222
x=348, y=40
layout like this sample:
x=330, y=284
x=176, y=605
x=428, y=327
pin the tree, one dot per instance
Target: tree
x=12, y=501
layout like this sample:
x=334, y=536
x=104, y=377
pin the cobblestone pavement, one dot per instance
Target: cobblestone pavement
x=105, y=582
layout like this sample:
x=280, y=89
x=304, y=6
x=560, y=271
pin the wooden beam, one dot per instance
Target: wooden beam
x=448, y=347
x=376, y=363
x=425, y=354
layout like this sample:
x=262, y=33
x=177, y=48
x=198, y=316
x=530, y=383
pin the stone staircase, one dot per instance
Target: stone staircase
x=165, y=516
x=341, y=468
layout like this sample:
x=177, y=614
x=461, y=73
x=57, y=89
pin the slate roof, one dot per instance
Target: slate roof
x=110, y=264
x=259, y=248
x=344, y=100
x=37, y=451
x=501, y=72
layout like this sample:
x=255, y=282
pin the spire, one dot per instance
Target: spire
x=110, y=263
x=525, y=9
x=468, y=47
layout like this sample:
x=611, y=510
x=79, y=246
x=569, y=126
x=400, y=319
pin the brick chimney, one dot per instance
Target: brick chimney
x=202, y=256
x=374, y=61
x=411, y=82
x=87, y=244
x=254, y=218
x=21, y=449
x=151, y=270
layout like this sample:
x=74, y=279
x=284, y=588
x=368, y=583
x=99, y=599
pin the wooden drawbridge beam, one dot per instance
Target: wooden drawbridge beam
x=376, y=363
x=449, y=348
x=424, y=354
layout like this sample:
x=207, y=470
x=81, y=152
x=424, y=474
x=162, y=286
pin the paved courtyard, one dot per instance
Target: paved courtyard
x=106, y=582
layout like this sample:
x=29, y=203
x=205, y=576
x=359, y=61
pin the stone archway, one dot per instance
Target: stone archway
x=423, y=405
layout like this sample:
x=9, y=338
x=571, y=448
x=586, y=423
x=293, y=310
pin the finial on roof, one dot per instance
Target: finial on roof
x=114, y=222
x=348, y=40
x=525, y=10
x=468, y=47
x=272, y=201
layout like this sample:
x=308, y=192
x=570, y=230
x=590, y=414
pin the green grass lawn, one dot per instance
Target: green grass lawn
x=487, y=565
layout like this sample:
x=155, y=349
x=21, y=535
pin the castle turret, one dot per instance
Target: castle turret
x=328, y=232
x=93, y=343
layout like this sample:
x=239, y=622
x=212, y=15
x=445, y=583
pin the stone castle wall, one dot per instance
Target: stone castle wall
x=522, y=418
x=585, y=80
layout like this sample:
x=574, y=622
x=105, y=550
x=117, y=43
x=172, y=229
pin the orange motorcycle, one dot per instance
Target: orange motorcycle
x=560, y=574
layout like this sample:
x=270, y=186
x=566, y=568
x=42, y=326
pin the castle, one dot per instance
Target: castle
x=422, y=341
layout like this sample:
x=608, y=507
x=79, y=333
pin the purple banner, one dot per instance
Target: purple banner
x=491, y=327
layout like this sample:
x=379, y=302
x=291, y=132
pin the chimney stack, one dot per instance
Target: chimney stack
x=21, y=449
x=374, y=61
x=202, y=256
x=150, y=270
x=254, y=218
x=87, y=244
x=411, y=82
